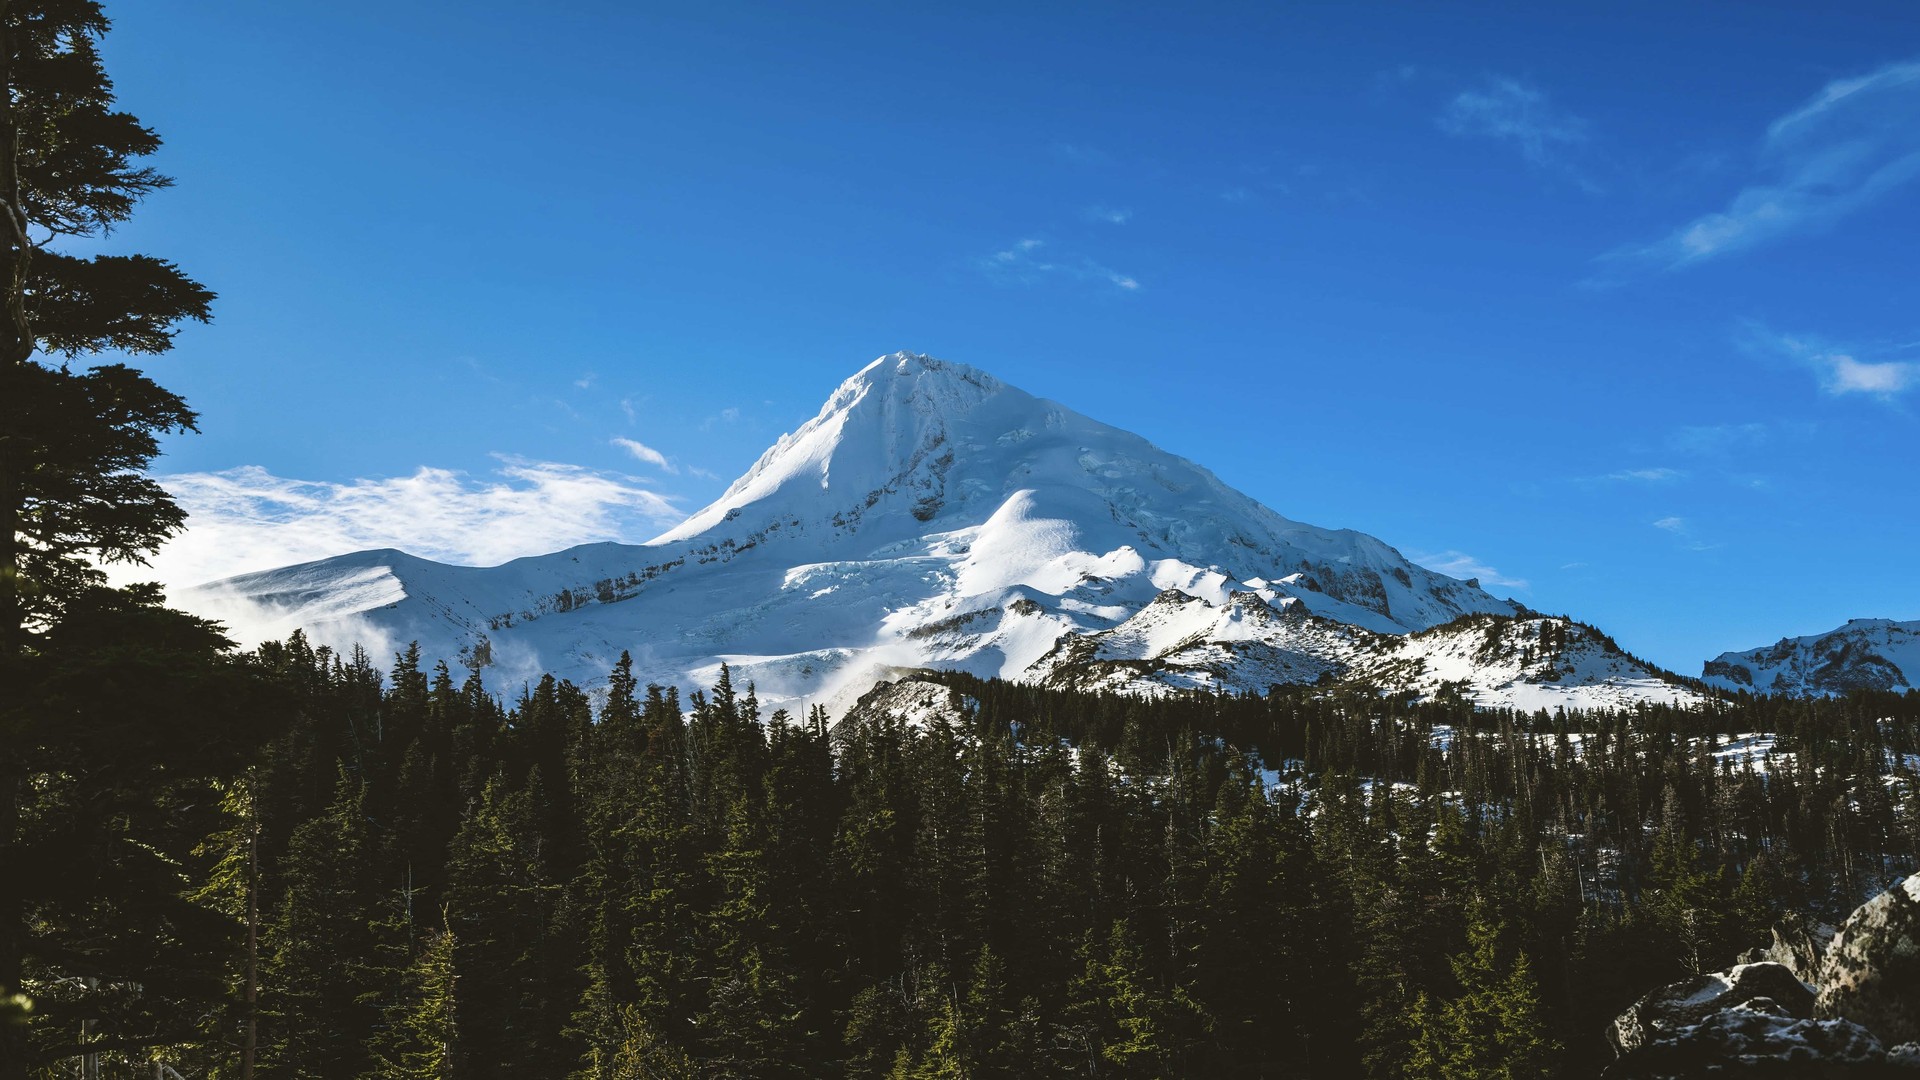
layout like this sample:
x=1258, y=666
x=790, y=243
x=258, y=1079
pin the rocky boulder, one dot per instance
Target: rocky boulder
x=1871, y=973
x=1757, y=1040
x=1690, y=1002
x=1799, y=944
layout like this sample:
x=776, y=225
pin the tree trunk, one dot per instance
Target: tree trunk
x=16, y=347
x=13, y=1050
x=253, y=939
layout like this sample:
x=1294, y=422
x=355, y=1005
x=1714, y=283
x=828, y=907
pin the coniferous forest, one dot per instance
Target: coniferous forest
x=427, y=881
x=293, y=862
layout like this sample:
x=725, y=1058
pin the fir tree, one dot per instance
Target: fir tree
x=752, y=1025
x=418, y=1037
x=1127, y=1020
x=514, y=990
x=73, y=445
x=1493, y=1028
x=321, y=970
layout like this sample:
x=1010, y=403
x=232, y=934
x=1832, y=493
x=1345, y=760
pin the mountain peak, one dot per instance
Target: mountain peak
x=903, y=400
x=928, y=515
x=910, y=384
x=918, y=369
x=918, y=455
x=886, y=422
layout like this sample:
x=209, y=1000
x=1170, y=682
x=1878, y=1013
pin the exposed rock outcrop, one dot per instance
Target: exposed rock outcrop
x=1871, y=973
x=1690, y=1002
x=1758, y=1039
x=1762, y=1019
x=1799, y=944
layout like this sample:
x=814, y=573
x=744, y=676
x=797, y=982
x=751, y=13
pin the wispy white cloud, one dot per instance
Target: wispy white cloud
x=1841, y=371
x=1026, y=263
x=642, y=452
x=247, y=519
x=1845, y=375
x=1510, y=111
x=728, y=415
x=1716, y=440
x=1659, y=474
x=1848, y=145
x=1462, y=565
x=1108, y=215
x=1682, y=529
x=1021, y=254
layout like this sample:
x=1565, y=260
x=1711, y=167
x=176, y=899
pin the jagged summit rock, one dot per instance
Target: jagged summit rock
x=933, y=516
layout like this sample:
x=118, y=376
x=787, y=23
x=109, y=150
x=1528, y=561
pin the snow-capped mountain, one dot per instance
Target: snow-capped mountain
x=929, y=516
x=1865, y=654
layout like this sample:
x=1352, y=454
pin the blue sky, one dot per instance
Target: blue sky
x=1614, y=305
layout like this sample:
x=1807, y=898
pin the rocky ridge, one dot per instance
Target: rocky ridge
x=1865, y=654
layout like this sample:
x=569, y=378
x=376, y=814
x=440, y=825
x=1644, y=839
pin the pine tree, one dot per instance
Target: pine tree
x=874, y=845
x=515, y=990
x=612, y=779
x=640, y=1053
x=417, y=1041
x=72, y=496
x=71, y=443
x=321, y=969
x=1493, y=1028
x=1255, y=972
x=232, y=886
x=979, y=1034
x=663, y=866
x=116, y=727
x=1123, y=1016
x=751, y=1027
x=1684, y=907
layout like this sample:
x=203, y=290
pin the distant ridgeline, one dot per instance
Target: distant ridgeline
x=985, y=878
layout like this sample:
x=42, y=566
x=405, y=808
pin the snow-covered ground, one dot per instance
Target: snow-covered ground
x=1755, y=748
x=1530, y=663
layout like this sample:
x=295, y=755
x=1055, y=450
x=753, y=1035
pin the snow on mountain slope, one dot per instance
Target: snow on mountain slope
x=1865, y=654
x=1529, y=663
x=929, y=516
x=1185, y=642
